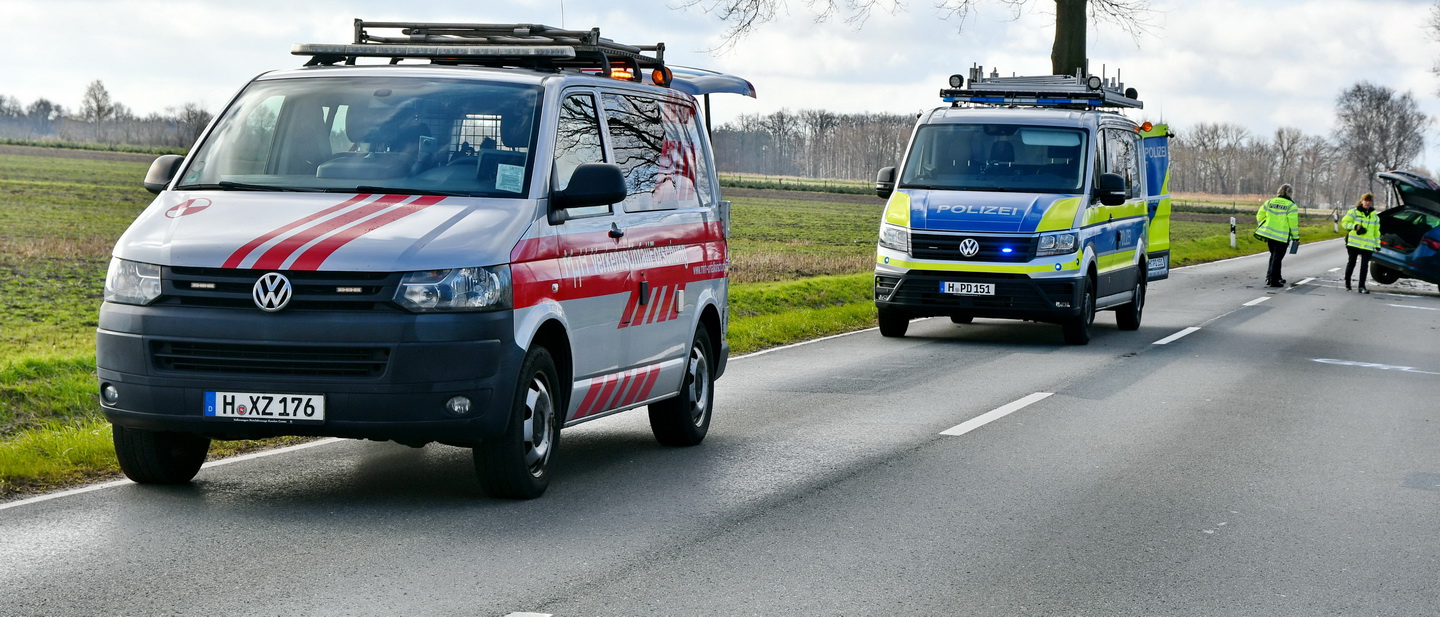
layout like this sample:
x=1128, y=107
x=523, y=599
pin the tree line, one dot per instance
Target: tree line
x=1376, y=130
x=101, y=119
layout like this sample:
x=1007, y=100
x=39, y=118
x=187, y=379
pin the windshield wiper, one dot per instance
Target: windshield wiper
x=401, y=191
x=226, y=185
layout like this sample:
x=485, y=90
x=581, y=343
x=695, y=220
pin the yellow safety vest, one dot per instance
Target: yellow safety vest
x=1279, y=220
x=1370, y=240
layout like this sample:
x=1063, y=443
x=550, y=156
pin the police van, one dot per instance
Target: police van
x=1027, y=198
x=470, y=234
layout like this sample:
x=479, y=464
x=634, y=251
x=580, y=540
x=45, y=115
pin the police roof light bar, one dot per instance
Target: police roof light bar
x=1067, y=91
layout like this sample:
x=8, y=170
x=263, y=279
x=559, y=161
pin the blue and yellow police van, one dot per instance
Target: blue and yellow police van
x=1029, y=198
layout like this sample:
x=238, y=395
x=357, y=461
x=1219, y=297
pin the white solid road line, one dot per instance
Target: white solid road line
x=994, y=414
x=224, y=461
x=1256, y=301
x=1176, y=336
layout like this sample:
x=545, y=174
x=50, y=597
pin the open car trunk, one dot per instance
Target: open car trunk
x=1419, y=210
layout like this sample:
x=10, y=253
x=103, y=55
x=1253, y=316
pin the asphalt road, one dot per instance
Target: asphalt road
x=1280, y=459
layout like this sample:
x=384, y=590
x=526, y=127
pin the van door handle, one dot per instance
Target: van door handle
x=616, y=232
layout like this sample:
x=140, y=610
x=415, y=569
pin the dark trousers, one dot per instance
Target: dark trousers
x=1277, y=254
x=1364, y=256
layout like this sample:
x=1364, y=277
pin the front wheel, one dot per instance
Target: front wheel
x=1077, y=330
x=1128, y=316
x=685, y=419
x=153, y=457
x=893, y=324
x=517, y=464
x=1383, y=275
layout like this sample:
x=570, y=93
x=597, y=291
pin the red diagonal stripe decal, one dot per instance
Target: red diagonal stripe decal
x=274, y=258
x=649, y=383
x=316, y=255
x=239, y=256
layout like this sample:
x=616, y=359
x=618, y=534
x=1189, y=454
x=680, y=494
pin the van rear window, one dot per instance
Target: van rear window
x=997, y=157
x=372, y=134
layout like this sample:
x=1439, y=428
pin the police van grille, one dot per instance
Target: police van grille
x=293, y=360
x=313, y=291
x=929, y=245
x=1012, y=291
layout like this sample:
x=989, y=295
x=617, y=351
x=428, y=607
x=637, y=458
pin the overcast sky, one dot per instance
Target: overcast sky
x=1262, y=64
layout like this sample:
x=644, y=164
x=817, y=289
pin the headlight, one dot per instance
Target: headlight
x=458, y=289
x=1056, y=244
x=897, y=238
x=131, y=282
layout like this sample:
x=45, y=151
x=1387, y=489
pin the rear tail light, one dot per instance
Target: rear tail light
x=1433, y=243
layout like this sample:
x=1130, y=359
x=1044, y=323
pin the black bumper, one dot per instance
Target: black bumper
x=385, y=376
x=917, y=293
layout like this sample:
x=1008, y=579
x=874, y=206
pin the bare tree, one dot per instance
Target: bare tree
x=96, y=106
x=1377, y=130
x=1067, y=55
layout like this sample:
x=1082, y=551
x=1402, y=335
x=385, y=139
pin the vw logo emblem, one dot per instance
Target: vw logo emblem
x=969, y=247
x=272, y=292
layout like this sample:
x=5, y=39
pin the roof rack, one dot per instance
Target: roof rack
x=1076, y=91
x=532, y=45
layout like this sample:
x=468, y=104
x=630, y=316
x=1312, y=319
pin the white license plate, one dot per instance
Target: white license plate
x=263, y=407
x=968, y=289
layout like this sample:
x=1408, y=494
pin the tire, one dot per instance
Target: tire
x=1128, y=317
x=517, y=465
x=961, y=319
x=893, y=324
x=1077, y=330
x=1383, y=275
x=153, y=457
x=685, y=419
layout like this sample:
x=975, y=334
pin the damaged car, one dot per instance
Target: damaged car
x=1409, y=232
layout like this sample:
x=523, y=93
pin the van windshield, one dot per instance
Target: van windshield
x=997, y=157
x=372, y=134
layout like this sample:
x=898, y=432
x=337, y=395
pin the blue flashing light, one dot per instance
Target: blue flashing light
x=1007, y=250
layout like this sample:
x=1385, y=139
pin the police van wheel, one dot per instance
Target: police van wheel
x=1383, y=275
x=685, y=419
x=517, y=465
x=152, y=457
x=961, y=319
x=1127, y=317
x=893, y=324
x=1077, y=330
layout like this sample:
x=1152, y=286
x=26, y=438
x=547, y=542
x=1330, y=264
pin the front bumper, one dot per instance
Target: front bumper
x=1017, y=296
x=384, y=375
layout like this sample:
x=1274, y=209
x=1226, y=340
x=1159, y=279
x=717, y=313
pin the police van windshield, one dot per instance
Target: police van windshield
x=372, y=134
x=996, y=157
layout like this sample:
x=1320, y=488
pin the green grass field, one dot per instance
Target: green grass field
x=800, y=270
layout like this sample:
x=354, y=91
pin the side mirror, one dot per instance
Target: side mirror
x=885, y=182
x=1110, y=189
x=591, y=184
x=162, y=171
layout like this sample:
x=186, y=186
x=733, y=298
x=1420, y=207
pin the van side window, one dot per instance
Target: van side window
x=577, y=141
x=655, y=150
x=1122, y=156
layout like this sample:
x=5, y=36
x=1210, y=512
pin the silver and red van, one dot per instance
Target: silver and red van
x=503, y=231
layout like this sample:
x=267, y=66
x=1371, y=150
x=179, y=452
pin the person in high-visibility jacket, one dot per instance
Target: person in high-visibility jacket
x=1279, y=225
x=1363, y=225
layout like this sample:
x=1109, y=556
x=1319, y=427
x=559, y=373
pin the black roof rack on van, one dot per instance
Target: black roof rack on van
x=1077, y=91
x=529, y=45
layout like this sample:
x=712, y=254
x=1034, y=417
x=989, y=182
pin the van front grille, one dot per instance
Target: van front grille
x=291, y=360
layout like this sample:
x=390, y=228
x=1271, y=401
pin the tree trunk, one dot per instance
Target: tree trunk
x=1068, y=54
